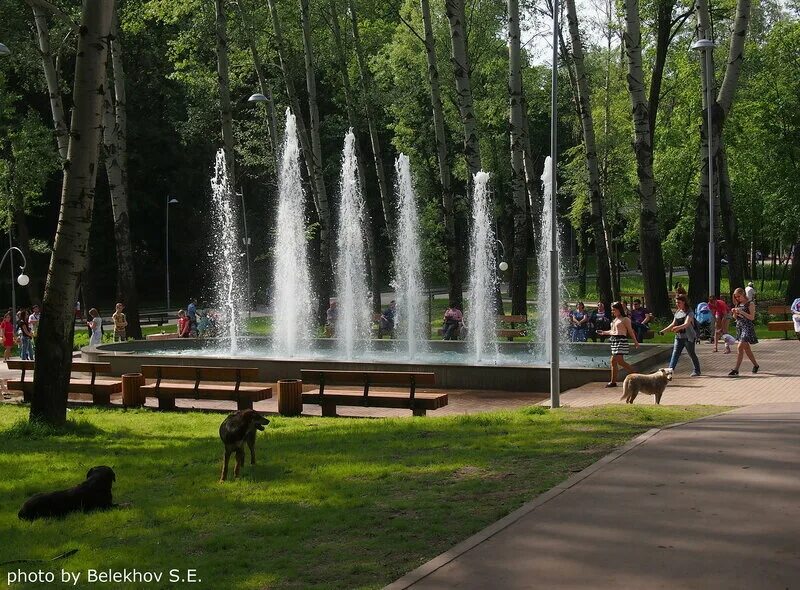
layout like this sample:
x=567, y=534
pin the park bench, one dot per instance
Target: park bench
x=216, y=383
x=784, y=325
x=148, y=318
x=418, y=403
x=100, y=388
x=511, y=331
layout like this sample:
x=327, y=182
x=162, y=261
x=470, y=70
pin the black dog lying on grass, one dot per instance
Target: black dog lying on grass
x=92, y=494
x=235, y=430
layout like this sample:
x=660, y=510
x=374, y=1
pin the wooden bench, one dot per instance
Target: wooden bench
x=100, y=388
x=784, y=325
x=512, y=332
x=217, y=383
x=418, y=403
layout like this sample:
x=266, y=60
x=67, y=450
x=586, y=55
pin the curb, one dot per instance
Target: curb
x=443, y=559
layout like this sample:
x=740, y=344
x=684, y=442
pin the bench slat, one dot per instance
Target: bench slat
x=218, y=392
x=778, y=310
x=512, y=319
x=783, y=326
x=383, y=399
x=204, y=373
x=361, y=377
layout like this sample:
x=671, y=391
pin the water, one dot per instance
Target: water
x=293, y=314
x=543, y=279
x=480, y=317
x=353, y=298
x=227, y=257
x=411, y=319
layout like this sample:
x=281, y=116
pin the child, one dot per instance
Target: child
x=729, y=340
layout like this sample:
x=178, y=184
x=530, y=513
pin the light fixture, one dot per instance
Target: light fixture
x=703, y=44
x=4, y=50
x=503, y=266
x=257, y=97
x=173, y=202
x=23, y=280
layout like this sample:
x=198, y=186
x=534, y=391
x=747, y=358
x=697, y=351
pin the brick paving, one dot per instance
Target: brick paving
x=777, y=381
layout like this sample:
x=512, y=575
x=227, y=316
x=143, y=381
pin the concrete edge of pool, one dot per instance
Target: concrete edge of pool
x=128, y=357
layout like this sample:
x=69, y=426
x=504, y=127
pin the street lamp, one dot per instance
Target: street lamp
x=555, y=376
x=169, y=202
x=257, y=97
x=707, y=47
x=4, y=50
x=22, y=279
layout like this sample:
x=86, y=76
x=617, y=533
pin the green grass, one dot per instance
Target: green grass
x=333, y=503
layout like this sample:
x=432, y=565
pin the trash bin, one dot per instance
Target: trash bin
x=131, y=390
x=290, y=397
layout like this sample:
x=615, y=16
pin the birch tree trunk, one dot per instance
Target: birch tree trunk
x=531, y=184
x=367, y=86
x=223, y=77
x=460, y=60
x=454, y=274
x=587, y=125
x=655, y=283
x=55, y=338
x=325, y=235
x=115, y=144
x=263, y=84
x=519, y=271
x=362, y=177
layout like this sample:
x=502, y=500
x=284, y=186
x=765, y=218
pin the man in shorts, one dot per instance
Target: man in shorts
x=120, y=324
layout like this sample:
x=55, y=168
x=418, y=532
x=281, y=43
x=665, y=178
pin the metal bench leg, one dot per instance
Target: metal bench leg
x=328, y=409
x=419, y=411
x=244, y=404
x=166, y=403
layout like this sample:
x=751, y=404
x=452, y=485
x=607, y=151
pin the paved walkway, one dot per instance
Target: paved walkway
x=711, y=504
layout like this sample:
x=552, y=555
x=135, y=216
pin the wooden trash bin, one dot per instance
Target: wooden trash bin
x=131, y=390
x=290, y=397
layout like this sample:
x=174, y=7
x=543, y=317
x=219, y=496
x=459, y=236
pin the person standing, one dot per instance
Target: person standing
x=744, y=312
x=683, y=327
x=25, y=336
x=621, y=329
x=120, y=323
x=8, y=335
x=719, y=309
x=579, y=319
x=331, y=315
x=95, y=325
x=749, y=291
x=191, y=313
x=184, y=325
x=33, y=324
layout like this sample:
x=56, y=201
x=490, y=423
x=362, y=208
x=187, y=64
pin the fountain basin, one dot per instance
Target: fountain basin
x=516, y=367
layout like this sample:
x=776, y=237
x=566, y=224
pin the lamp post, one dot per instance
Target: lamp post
x=22, y=279
x=555, y=377
x=169, y=202
x=269, y=117
x=246, y=242
x=707, y=47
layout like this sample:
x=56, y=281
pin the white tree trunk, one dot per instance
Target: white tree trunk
x=68, y=261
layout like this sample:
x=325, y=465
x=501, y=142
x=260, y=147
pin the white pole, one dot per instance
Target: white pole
x=555, y=381
x=167, y=254
x=712, y=283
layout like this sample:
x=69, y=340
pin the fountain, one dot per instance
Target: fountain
x=226, y=253
x=543, y=279
x=353, y=298
x=482, y=310
x=292, y=310
x=410, y=317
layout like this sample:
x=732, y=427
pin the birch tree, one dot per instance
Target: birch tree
x=55, y=337
x=454, y=273
x=587, y=127
x=652, y=259
x=223, y=78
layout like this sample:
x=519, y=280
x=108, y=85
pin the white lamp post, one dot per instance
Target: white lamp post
x=169, y=202
x=246, y=242
x=555, y=377
x=707, y=47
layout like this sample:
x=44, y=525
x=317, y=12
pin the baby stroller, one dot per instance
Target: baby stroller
x=705, y=321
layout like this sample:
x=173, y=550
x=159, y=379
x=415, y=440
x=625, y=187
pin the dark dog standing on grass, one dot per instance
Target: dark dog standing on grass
x=92, y=494
x=236, y=430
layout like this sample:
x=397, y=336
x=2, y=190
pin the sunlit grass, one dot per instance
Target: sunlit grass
x=333, y=503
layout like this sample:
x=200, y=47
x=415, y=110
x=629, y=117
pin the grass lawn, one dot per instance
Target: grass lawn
x=333, y=503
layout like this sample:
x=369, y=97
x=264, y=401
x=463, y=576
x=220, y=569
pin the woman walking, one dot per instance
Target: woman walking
x=683, y=327
x=621, y=329
x=744, y=312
